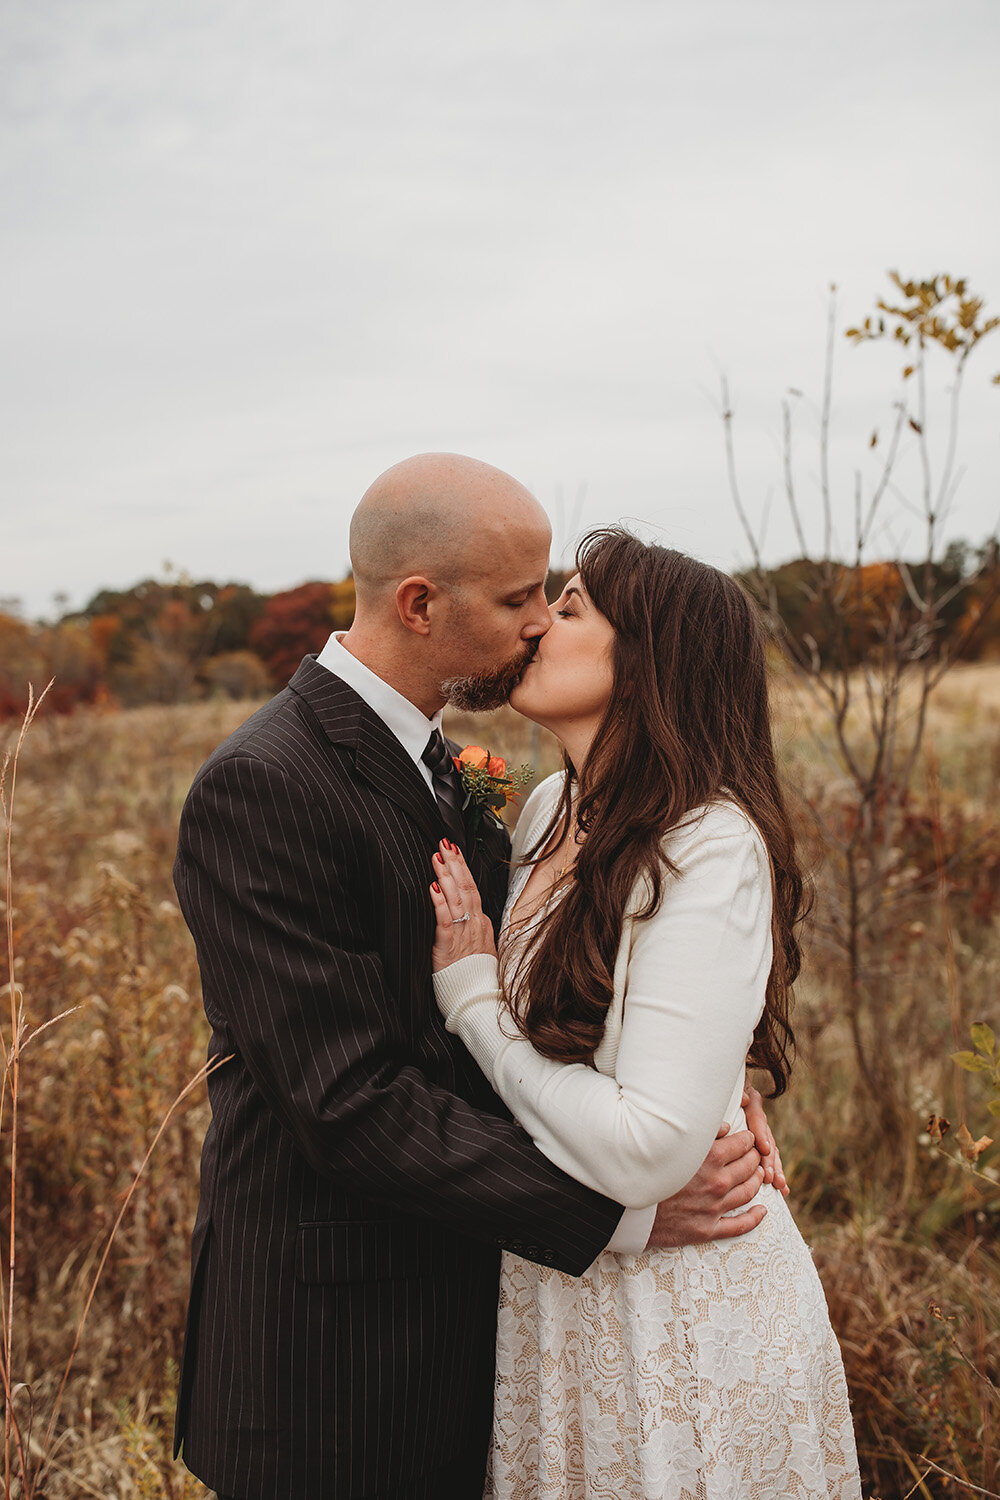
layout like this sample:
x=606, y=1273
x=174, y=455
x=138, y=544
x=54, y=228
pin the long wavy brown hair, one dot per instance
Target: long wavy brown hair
x=688, y=722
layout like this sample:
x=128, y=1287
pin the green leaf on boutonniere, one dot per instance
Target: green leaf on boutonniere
x=488, y=785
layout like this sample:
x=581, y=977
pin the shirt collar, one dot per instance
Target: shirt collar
x=411, y=727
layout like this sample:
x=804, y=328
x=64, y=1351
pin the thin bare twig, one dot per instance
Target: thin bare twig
x=734, y=488
x=887, y=470
x=824, y=442
x=918, y=1483
x=956, y=1479
x=793, y=504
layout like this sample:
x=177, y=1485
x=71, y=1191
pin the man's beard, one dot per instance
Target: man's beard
x=484, y=691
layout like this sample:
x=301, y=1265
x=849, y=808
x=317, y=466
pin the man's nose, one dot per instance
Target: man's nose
x=535, y=627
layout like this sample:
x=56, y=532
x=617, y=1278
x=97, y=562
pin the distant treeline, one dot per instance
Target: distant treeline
x=177, y=640
x=168, y=642
x=843, y=614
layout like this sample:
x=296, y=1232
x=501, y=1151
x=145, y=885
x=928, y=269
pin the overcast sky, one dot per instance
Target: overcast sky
x=255, y=253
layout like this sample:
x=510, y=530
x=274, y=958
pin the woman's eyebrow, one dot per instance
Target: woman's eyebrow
x=574, y=590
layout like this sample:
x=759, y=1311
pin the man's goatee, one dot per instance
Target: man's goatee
x=484, y=691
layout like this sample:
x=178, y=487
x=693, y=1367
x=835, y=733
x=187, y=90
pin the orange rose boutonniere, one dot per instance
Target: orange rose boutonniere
x=488, y=784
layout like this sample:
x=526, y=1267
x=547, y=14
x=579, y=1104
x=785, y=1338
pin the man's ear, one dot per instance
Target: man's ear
x=414, y=598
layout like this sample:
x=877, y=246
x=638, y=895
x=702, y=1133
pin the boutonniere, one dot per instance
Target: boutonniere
x=488, y=784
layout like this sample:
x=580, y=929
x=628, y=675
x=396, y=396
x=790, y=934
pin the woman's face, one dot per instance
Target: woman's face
x=568, y=685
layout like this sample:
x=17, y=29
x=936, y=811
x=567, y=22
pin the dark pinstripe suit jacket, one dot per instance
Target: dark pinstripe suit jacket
x=359, y=1174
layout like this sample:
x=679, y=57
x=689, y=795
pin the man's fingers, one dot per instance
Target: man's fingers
x=730, y=1148
x=749, y=1168
x=780, y=1180
x=732, y=1228
x=723, y=1130
x=757, y=1124
x=739, y=1166
x=753, y=1108
x=743, y=1193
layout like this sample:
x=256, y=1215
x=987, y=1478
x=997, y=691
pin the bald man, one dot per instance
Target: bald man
x=360, y=1177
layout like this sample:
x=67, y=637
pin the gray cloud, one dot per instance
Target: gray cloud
x=258, y=254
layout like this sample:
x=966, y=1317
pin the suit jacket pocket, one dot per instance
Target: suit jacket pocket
x=376, y=1250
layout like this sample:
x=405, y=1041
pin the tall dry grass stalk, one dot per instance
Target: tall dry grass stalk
x=11, y=1086
x=26, y=1460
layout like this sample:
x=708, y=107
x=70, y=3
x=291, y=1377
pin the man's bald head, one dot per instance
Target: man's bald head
x=449, y=558
x=439, y=516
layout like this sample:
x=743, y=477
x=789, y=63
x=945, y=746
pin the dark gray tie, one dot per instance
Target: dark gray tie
x=447, y=784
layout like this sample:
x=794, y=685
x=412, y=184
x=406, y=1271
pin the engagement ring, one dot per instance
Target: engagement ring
x=465, y=917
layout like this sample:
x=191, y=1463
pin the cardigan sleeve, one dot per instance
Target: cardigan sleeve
x=695, y=990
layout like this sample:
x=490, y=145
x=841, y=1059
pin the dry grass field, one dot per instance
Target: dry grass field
x=904, y=1237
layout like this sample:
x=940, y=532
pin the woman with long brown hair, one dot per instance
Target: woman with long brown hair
x=646, y=954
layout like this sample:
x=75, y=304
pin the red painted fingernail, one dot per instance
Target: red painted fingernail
x=449, y=845
x=436, y=887
x=439, y=858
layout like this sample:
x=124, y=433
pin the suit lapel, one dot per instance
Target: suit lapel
x=382, y=760
x=346, y=719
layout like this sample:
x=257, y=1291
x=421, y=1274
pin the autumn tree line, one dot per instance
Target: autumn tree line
x=169, y=641
x=177, y=640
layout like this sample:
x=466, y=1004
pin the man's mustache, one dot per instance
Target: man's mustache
x=483, y=691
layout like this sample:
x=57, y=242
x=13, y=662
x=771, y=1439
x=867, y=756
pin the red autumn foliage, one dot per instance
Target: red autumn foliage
x=293, y=623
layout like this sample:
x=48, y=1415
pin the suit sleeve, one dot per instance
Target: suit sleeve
x=267, y=891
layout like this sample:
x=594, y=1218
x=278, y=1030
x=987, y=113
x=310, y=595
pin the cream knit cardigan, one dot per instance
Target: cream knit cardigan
x=689, y=989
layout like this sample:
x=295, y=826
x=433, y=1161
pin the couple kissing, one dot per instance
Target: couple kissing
x=480, y=1209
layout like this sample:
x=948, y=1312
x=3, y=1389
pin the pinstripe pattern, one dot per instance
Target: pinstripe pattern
x=359, y=1175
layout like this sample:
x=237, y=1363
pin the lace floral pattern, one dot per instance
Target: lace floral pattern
x=709, y=1372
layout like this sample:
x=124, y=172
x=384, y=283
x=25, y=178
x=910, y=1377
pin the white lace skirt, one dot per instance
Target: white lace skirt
x=704, y=1373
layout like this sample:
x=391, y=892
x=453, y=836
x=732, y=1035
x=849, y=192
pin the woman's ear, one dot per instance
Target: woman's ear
x=414, y=597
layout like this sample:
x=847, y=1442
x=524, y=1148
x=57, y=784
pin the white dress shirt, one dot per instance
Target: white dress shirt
x=413, y=729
